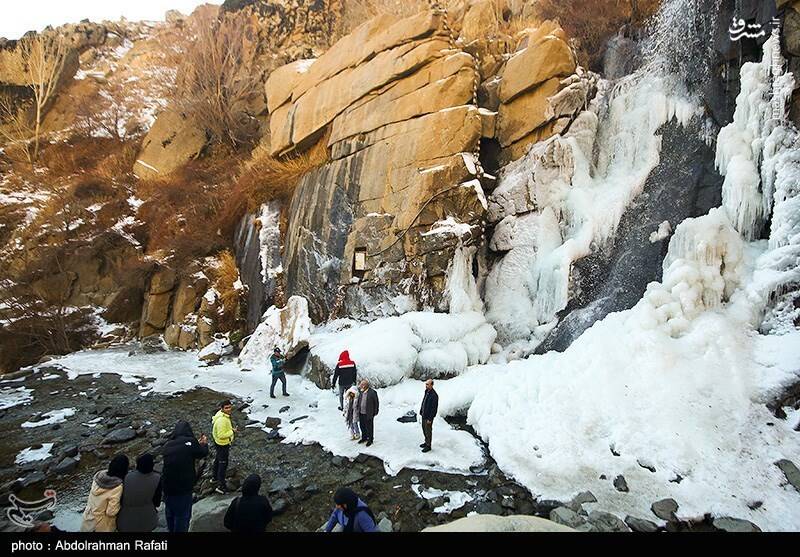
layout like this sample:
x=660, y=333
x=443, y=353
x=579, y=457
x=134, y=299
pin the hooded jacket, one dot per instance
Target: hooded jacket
x=100, y=514
x=141, y=496
x=351, y=406
x=221, y=428
x=345, y=371
x=250, y=512
x=356, y=518
x=180, y=452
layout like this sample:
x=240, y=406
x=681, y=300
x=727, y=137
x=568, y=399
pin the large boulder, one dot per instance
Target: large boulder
x=208, y=514
x=545, y=59
x=288, y=328
x=173, y=141
x=493, y=523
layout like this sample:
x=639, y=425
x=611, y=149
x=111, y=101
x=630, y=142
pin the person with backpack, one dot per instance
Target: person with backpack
x=351, y=513
x=427, y=412
x=103, y=504
x=141, y=497
x=251, y=512
x=178, y=477
x=222, y=432
x=345, y=373
x=277, y=360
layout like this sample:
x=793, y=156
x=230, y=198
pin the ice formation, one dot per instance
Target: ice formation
x=288, y=328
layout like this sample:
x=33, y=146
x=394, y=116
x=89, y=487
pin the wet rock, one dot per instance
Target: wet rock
x=361, y=458
x=279, y=506
x=665, y=509
x=208, y=514
x=408, y=417
x=272, y=422
x=582, y=498
x=352, y=477
x=312, y=489
x=728, y=524
x=607, y=522
x=297, y=419
x=337, y=461
x=279, y=484
x=488, y=507
x=546, y=506
x=640, y=524
x=791, y=472
x=66, y=466
x=33, y=478
x=567, y=517
x=508, y=503
x=421, y=506
x=284, y=409
x=620, y=484
x=646, y=465
x=385, y=525
x=119, y=435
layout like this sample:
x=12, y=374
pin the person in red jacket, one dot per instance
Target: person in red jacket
x=345, y=373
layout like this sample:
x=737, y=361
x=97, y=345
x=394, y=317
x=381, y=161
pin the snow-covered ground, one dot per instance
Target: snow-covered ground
x=33, y=455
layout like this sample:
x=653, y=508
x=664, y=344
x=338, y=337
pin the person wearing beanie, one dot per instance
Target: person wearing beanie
x=141, y=497
x=351, y=513
x=345, y=374
x=251, y=512
x=277, y=360
x=103, y=504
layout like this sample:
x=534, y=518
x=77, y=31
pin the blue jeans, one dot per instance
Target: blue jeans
x=275, y=379
x=178, y=510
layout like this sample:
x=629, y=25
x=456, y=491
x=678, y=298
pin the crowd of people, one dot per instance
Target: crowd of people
x=125, y=500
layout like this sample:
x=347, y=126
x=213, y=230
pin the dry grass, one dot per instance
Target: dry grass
x=591, y=24
x=224, y=275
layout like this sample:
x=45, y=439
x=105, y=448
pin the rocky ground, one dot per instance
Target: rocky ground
x=110, y=417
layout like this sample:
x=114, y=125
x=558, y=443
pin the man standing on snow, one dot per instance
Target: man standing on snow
x=427, y=412
x=345, y=373
x=277, y=360
x=367, y=404
x=222, y=431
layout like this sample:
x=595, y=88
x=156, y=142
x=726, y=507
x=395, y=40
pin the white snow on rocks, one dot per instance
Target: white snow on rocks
x=14, y=396
x=52, y=417
x=34, y=455
x=288, y=328
x=454, y=499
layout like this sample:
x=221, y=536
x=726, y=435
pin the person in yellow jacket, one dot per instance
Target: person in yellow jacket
x=222, y=431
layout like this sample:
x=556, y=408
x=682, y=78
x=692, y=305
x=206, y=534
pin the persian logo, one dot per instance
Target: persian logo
x=23, y=513
x=739, y=29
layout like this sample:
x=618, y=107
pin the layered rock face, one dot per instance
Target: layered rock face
x=373, y=231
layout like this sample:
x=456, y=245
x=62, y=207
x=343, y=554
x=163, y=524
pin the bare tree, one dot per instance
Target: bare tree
x=15, y=128
x=218, y=77
x=44, y=57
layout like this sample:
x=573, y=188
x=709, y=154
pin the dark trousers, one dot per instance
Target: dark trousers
x=221, y=463
x=427, y=431
x=275, y=378
x=342, y=390
x=367, y=422
x=178, y=510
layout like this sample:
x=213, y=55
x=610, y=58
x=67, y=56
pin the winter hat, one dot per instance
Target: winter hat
x=344, y=359
x=347, y=498
x=182, y=429
x=118, y=467
x=144, y=463
x=352, y=391
x=251, y=485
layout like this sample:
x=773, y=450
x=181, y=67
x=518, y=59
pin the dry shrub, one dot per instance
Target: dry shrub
x=218, y=77
x=106, y=157
x=593, y=23
x=225, y=275
x=267, y=178
x=181, y=210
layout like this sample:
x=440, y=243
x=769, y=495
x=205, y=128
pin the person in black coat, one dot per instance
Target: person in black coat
x=427, y=412
x=178, y=477
x=367, y=404
x=345, y=372
x=251, y=512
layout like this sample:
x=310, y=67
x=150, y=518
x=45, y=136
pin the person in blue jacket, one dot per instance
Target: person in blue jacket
x=351, y=513
x=277, y=360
